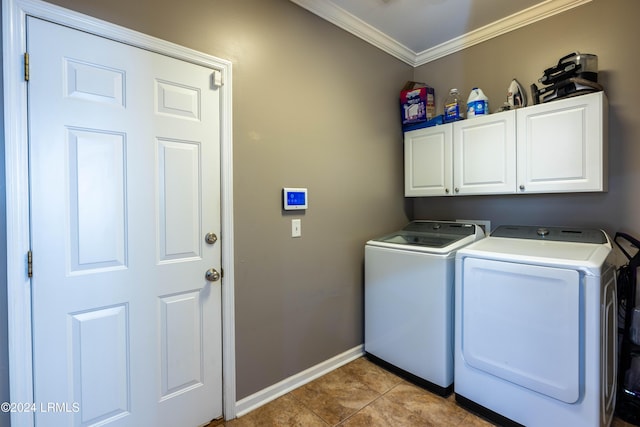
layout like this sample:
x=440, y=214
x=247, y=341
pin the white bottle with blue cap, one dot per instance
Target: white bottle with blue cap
x=477, y=103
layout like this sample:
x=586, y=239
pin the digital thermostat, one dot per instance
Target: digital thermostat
x=294, y=199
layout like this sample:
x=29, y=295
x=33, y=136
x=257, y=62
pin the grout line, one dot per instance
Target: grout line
x=353, y=378
x=291, y=394
x=360, y=410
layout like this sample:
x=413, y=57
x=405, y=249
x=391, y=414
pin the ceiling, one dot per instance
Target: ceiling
x=420, y=31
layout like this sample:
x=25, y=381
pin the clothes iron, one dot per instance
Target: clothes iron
x=516, y=96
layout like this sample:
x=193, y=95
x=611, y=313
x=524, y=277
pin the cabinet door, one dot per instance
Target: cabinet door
x=484, y=150
x=428, y=161
x=562, y=145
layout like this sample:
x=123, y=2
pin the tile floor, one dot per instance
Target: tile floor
x=362, y=394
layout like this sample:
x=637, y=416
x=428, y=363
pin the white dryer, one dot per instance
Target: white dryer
x=535, y=327
x=408, y=300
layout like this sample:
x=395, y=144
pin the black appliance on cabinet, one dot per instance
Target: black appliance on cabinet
x=628, y=394
x=575, y=74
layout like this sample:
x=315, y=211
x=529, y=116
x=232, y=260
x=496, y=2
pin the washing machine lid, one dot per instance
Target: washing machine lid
x=430, y=236
x=580, y=249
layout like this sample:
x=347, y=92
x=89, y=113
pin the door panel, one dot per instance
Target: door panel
x=179, y=199
x=97, y=217
x=562, y=145
x=100, y=368
x=125, y=183
x=485, y=154
x=428, y=161
x=181, y=343
x=522, y=323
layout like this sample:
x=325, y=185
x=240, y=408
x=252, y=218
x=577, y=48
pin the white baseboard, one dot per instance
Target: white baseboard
x=270, y=393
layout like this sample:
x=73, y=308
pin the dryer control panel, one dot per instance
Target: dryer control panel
x=556, y=234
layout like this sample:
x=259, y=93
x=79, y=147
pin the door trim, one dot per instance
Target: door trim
x=14, y=14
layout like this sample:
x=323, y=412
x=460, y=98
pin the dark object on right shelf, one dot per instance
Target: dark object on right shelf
x=628, y=395
x=575, y=74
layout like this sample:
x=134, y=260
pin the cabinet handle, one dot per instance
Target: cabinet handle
x=522, y=187
x=457, y=190
x=446, y=190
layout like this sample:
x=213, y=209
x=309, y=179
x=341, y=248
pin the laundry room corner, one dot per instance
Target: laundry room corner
x=597, y=27
x=304, y=116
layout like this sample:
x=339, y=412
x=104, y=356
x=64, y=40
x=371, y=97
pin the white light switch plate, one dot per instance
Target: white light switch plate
x=296, y=228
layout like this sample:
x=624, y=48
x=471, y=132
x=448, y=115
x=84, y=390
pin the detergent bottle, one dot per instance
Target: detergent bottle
x=453, y=109
x=477, y=103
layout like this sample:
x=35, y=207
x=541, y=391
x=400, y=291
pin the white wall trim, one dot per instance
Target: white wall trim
x=283, y=387
x=518, y=20
x=14, y=13
x=343, y=19
x=336, y=15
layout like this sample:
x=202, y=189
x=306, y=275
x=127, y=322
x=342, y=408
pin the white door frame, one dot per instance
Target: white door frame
x=14, y=14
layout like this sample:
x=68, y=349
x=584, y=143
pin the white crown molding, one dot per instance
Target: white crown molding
x=518, y=20
x=336, y=15
x=343, y=19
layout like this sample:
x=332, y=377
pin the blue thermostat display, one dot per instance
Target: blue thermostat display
x=294, y=199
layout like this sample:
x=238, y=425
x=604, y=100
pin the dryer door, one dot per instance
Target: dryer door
x=521, y=323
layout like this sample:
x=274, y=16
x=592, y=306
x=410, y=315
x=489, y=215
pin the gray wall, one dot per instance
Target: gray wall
x=313, y=107
x=602, y=27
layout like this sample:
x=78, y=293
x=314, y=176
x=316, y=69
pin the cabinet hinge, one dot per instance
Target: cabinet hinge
x=29, y=264
x=221, y=272
x=26, y=67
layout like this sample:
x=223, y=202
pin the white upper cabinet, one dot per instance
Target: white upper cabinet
x=562, y=145
x=484, y=154
x=428, y=161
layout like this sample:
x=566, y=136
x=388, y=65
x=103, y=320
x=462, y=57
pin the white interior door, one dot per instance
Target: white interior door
x=125, y=183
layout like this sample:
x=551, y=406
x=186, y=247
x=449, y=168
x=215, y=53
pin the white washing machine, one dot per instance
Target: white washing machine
x=408, y=300
x=535, y=327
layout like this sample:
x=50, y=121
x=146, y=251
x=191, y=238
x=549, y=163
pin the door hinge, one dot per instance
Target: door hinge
x=29, y=264
x=26, y=67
